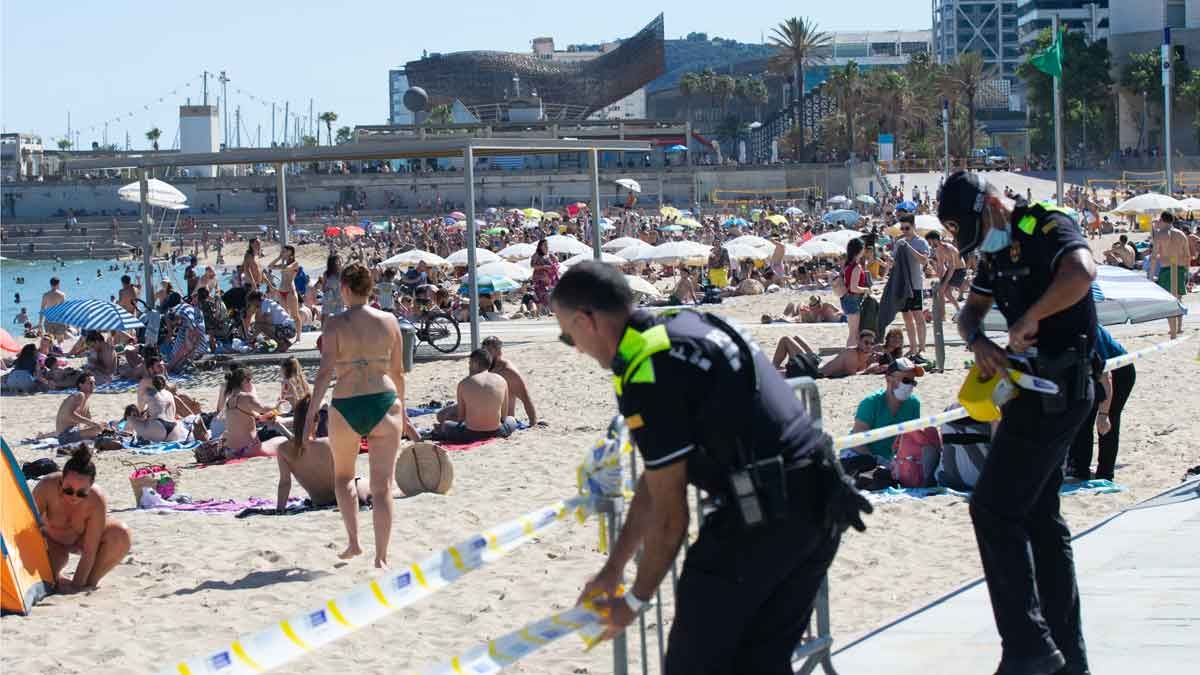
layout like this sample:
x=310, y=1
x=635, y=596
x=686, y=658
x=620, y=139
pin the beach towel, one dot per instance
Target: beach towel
x=893, y=494
x=219, y=505
x=419, y=411
x=160, y=448
x=294, y=506
x=451, y=447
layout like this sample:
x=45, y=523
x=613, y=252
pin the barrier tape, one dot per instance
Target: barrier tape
x=856, y=439
x=600, y=476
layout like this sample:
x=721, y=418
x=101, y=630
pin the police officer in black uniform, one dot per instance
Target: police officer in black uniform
x=705, y=407
x=1036, y=266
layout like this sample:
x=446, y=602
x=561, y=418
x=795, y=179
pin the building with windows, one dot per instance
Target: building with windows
x=21, y=157
x=1087, y=16
x=397, y=85
x=988, y=27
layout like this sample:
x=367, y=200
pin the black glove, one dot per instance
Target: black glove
x=844, y=504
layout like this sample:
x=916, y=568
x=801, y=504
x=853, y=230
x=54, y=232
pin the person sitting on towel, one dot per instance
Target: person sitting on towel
x=73, y=513
x=479, y=411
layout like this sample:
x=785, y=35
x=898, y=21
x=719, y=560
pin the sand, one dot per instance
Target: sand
x=193, y=582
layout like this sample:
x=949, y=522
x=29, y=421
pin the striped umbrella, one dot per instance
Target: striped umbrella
x=92, y=315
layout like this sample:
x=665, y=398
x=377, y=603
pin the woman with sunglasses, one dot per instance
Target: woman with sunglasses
x=73, y=512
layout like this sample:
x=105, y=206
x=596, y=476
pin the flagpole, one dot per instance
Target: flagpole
x=1167, y=80
x=1058, y=148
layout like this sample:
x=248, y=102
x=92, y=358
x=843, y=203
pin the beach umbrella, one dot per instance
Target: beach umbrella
x=620, y=243
x=680, y=252
x=841, y=216
x=604, y=258
x=639, y=252
x=158, y=193
x=482, y=255
x=629, y=184
x=906, y=205
x=1190, y=204
x=777, y=219
x=490, y=210
x=458, y=215
x=867, y=199
x=449, y=221
x=677, y=148
x=640, y=285
x=838, y=237
x=411, y=258
x=1151, y=202
x=301, y=233
x=746, y=252
x=735, y=222
x=689, y=223
x=504, y=268
x=566, y=244
x=377, y=227
x=751, y=240
x=671, y=228
x=793, y=211
x=517, y=251
x=87, y=314
x=8, y=343
x=262, y=228
x=531, y=225
x=1121, y=296
x=838, y=199
x=332, y=231
x=822, y=249
x=669, y=212
x=795, y=253
x=496, y=231
x=551, y=215
x=354, y=231
x=490, y=284
x=532, y=213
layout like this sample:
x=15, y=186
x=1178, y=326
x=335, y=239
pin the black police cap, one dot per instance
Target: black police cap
x=960, y=208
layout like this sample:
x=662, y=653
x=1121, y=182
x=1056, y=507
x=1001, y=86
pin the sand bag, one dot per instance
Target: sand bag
x=424, y=467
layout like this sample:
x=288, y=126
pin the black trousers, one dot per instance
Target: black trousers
x=1023, y=540
x=1080, y=461
x=745, y=598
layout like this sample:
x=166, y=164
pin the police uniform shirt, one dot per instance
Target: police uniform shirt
x=1018, y=275
x=693, y=405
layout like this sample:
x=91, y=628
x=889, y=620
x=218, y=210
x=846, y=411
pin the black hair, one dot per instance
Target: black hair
x=81, y=463
x=27, y=358
x=250, y=245
x=1167, y=217
x=907, y=217
x=492, y=341
x=481, y=358
x=93, y=336
x=332, y=266
x=933, y=236
x=593, y=285
x=202, y=294
x=125, y=279
x=159, y=382
x=51, y=361
x=235, y=379
x=81, y=378
x=854, y=248
x=299, y=417
x=254, y=297
x=54, y=281
x=131, y=410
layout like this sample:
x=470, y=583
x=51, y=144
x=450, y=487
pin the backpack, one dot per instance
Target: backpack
x=916, y=457
x=301, y=282
x=965, y=446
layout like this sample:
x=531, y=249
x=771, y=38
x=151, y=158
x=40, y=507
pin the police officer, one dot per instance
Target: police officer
x=705, y=407
x=1036, y=266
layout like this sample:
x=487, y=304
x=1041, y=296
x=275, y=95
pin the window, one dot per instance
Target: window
x=1176, y=13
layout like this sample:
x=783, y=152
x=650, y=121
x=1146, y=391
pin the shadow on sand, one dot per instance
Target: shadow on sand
x=256, y=579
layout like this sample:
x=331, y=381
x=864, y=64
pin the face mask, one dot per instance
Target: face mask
x=996, y=240
x=902, y=391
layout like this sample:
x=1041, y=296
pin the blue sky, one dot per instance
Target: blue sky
x=105, y=60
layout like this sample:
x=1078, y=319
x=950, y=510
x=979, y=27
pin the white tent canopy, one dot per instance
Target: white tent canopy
x=1151, y=202
x=160, y=194
x=605, y=257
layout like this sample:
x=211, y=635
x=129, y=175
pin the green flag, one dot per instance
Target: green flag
x=1049, y=60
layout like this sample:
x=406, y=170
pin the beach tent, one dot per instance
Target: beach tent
x=25, y=576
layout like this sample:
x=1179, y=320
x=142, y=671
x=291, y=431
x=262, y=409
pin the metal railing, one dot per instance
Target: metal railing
x=815, y=645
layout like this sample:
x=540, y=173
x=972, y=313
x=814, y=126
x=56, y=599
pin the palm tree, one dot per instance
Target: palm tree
x=689, y=86
x=441, y=114
x=328, y=118
x=344, y=135
x=847, y=86
x=64, y=144
x=889, y=99
x=756, y=94
x=963, y=78
x=708, y=86
x=724, y=87
x=797, y=43
x=153, y=135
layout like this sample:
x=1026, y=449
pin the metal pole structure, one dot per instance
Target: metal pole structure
x=472, y=242
x=281, y=202
x=272, y=125
x=1166, y=80
x=946, y=136
x=939, y=334
x=144, y=218
x=594, y=158
x=206, y=88
x=1058, y=148
x=225, y=101
x=614, y=508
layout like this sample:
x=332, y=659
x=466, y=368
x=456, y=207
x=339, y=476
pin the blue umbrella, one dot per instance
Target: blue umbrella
x=496, y=284
x=739, y=222
x=677, y=148
x=92, y=315
x=842, y=217
x=671, y=228
x=907, y=205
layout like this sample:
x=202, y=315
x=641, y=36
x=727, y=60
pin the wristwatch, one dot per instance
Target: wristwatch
x=633, y=602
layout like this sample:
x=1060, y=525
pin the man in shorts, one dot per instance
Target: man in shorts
x=950, y=269
x=74, y=422
x=1170, y=258
x=913, y=310
x=50, y=298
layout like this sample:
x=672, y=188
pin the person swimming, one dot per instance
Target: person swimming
x=363, y=346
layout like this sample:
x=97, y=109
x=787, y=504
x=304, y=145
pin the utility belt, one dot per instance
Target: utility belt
x=765, y=492
x=1073, y=370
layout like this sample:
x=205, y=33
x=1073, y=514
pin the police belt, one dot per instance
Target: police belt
x=803, y=493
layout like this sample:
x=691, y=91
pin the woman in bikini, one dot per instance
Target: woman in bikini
x=242, y=410
x=363, y=347
x=288, y=269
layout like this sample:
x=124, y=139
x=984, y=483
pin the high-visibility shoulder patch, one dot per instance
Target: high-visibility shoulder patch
x=1027, y=224
x=635, y=422
x=644, y=373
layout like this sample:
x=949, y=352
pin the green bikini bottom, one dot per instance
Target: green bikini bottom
x=362, y=413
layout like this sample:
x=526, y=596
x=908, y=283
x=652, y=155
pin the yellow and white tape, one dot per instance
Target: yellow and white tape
x=289, y=639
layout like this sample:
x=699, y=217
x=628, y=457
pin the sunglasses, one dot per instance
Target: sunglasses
x=909, y=380
x=567, y=339
x=81, y=492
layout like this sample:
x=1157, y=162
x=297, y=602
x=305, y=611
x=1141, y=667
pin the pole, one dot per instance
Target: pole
x=939, y=334
x=1166, y=80
x=69, y=136
x=281, y=203
x=225, y=99
x=594, y=157
x=946, y=136
x=206, y=88
x=285, y=122
x=1058, y=148
x=472, y=242
x=144, y=218
x=272, y=125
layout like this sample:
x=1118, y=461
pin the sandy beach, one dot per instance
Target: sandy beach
x=193, y=582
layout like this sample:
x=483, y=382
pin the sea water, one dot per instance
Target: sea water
x=77, y=279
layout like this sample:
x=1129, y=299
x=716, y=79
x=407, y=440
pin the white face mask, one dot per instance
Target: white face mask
x=902, y=391
x=996, y=240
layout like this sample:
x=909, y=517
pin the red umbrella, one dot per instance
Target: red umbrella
x=8, y=343
x=332, y=231
x=354, y=231
x=458, y=215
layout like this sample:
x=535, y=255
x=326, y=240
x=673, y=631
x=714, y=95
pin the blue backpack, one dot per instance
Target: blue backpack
x=301, y=282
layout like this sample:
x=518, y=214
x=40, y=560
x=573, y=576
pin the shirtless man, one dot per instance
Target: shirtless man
x=128, y=294
x=74, y=421
x=1193, y=236
x=1170, y=258
x=51, y=298
x=948, y=265
x=517, y=387
x=1121, y=254
x=101, y=358
x=74, y=519
x=860, y=359
x=482, y=399
x=685, y=290
x=288, y=269
x=311, y=464
x=250, y=270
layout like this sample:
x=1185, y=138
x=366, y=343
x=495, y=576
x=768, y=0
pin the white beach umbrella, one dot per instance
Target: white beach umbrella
x=159, y=194
x=1151, y=202
x=838, y=199
x=504, y=268
x=640, y=285
x=517, y=251
x=629, y=184
x=410, y=258
x=751, y=240
x=822, y=249
x=565, y=243
x=838, y=237
x=1190, y=204
x=1121, y=296
x=680, y=251
x=747, y=252
x=637, y=252
x=620, y=243
x=482, y=255
x=795, y=253
x=605, y=257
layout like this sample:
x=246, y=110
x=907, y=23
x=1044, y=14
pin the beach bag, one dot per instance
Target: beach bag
x=209, y=452
x=965, y=446
x=157, y=477
x=424, y=467
x=916, y=457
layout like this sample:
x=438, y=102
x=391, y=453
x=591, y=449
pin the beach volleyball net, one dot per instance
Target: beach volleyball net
x=757, y=195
